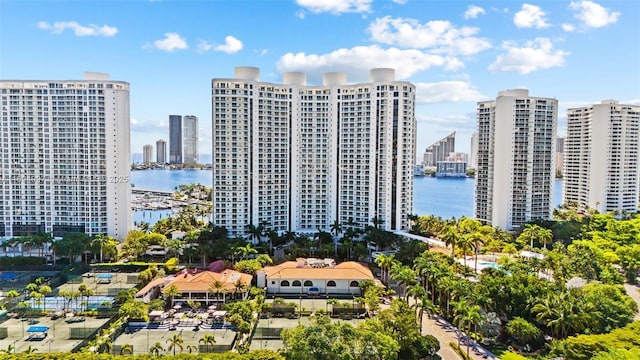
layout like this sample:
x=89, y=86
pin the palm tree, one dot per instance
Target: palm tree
x=176, y=341
x=30, y=350
x=171, y=292
x=156, y=349
x=336, y=230
x=529, y=233
x=100, y=241
x=12, y=294
x=245, y=251
x=465, y=243
x=11, y=348
x=126, y=349
x=238, y=287
x=255, y=232
x=191, y=348
x=385, y=262
x=45, y=290
x=451, y=238
x=208, y=340
x=477, y=239
x=215, y=288
x=108, y=345
x=405, y=276
x=545, y=236
x=425, y=305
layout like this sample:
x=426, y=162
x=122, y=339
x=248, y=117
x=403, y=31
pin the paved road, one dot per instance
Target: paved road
x=447, y=333
x=632, y=290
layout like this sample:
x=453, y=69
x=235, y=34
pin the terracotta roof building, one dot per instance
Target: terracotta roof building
x=201, y=286
x=314, y=277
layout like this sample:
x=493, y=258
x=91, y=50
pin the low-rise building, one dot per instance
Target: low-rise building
x=205, y=287
x=314, y=277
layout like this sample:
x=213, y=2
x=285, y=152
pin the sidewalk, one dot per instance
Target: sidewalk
x=632, y=291
x=447, y=333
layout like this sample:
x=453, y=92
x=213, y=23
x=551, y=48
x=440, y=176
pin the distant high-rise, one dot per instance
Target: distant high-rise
x=300, y=157
x=175, y=139
x=601, y=157
x=161, y=152
x=516, y=159
x=147, y=154
x=439, y=150
x=473, y=155
x=559, y=156
x=190, y=139
x=66, y=163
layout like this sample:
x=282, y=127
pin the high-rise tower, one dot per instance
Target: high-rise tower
x=175, y=139
x=66, y=155
x=439, y=150
x=516, y=159
x=301, y=157
x=147, y=154
x=190, y=139
x=161, y=152
x=601, y=157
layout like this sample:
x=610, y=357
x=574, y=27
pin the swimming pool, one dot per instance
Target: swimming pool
x=487, y=264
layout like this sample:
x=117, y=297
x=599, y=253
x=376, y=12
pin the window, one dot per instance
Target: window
x=284, y=283
x=296, y=283
x=331, y=283
x=354, y=284
x=308, y=283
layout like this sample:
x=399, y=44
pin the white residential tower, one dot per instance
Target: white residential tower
x=601, y=157
x=64, y=157
x=299, y=157
x=516, y=159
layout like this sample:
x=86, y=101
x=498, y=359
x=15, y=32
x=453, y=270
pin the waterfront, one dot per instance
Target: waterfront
x=441, y=197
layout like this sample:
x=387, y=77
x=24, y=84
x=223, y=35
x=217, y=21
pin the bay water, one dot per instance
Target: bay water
x=442, y=197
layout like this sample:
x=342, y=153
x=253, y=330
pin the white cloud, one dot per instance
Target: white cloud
x=59, y=27
x=204, y=46
x=401, y=2
x=568, y=27
x=447, y=92
x=231, y=45
x=473, y=11
x=593, y=15
x=357, y=62
x=134, y=122
x=261, y=52
x=439, y=35
x=171, y=42
x=534, y=55
x=530, y=16
x=335, y=7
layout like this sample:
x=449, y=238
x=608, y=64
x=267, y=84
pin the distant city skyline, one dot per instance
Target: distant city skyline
x=456, y=52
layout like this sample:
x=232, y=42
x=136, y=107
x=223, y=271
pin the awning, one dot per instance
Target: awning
x=32, y=329
x=105, y=276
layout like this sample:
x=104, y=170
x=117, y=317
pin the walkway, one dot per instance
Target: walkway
x=632, y=290
x=447, y=333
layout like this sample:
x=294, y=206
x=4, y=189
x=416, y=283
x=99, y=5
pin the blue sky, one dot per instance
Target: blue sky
x=456, y=52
